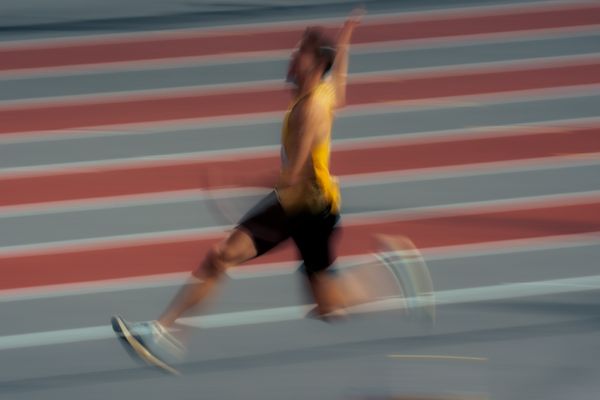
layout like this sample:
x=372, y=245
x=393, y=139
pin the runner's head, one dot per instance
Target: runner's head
x=314, y=55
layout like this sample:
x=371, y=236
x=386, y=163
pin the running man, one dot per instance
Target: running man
x=304, y=206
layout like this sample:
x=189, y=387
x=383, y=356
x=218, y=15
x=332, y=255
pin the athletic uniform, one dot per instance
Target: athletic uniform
x=309, y=211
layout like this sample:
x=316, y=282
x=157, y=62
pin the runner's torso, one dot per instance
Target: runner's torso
x=317, y=189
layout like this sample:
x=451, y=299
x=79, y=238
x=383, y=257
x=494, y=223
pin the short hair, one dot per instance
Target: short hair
x=314, y=37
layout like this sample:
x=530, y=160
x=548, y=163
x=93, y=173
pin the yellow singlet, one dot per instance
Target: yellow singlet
x=322, y=188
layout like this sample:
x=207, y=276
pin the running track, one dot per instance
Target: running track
x=107, y=190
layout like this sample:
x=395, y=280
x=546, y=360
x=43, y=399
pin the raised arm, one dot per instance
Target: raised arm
x=339, y=71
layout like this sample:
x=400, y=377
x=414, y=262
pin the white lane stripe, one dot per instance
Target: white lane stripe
x=470, y=170
x=518, y=289
x=508, y=65
x=25, y=340
x=241, y=57
x=356, y=180
x=396, y=46
x=94, y=287
x=400, y=16
x=370, y=217
x=474, y=208
x=484, y=249
x=283, y=55
x=371, y=142
x=241, y=318
x=440, y=253
x=471, y=100
x=112, y=202
x=290, y=313
x=198, y=124
x=395, y=74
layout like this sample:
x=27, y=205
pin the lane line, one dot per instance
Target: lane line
x=263, y=118
x=339, y=145
x=485, y=249
x=162, y=176
x=270, y=25
x=141, y=255
x=558, y=162
x=581, y=33
x=517, y=65
x=355, y=219
x=423, y=174
x=145, y=109
x=292, y=313
x=436, y=357
x=259, y=85
x=430, y=253
x=241, y=57
x=123, y=50
x=473, y=208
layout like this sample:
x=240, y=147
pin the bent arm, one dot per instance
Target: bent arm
x=339, y=71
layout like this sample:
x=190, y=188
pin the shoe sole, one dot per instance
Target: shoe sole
x=139, y=348
x=125, y=344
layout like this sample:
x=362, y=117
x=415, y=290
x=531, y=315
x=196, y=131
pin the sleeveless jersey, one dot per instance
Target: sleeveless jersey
x=321, y=188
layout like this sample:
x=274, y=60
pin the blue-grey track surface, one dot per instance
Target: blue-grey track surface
x=493, y=338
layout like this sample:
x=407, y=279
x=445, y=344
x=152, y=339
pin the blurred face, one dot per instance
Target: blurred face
x=302, y=63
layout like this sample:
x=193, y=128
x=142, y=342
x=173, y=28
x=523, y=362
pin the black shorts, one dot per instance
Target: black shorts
x=268, y=225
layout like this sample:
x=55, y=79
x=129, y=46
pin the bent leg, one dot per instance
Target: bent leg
x=329, y=294
x=313, y=235
x=352, y=286
x=236, y=249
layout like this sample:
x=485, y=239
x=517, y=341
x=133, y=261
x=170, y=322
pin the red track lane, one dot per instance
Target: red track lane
x=130, y=261
x=259, y=39
x=261, y=171
x=150, y=108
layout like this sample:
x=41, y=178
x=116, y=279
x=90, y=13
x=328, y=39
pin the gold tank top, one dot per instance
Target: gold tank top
x=321, y=189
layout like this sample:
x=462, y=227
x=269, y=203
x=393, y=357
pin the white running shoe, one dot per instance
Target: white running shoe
x=151, y=342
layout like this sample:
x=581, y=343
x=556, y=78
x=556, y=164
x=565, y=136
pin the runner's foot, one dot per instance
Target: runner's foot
x=151, y=342
x=407, y=264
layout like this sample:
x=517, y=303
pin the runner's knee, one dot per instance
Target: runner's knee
x=219, y=258
x=213, y=264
